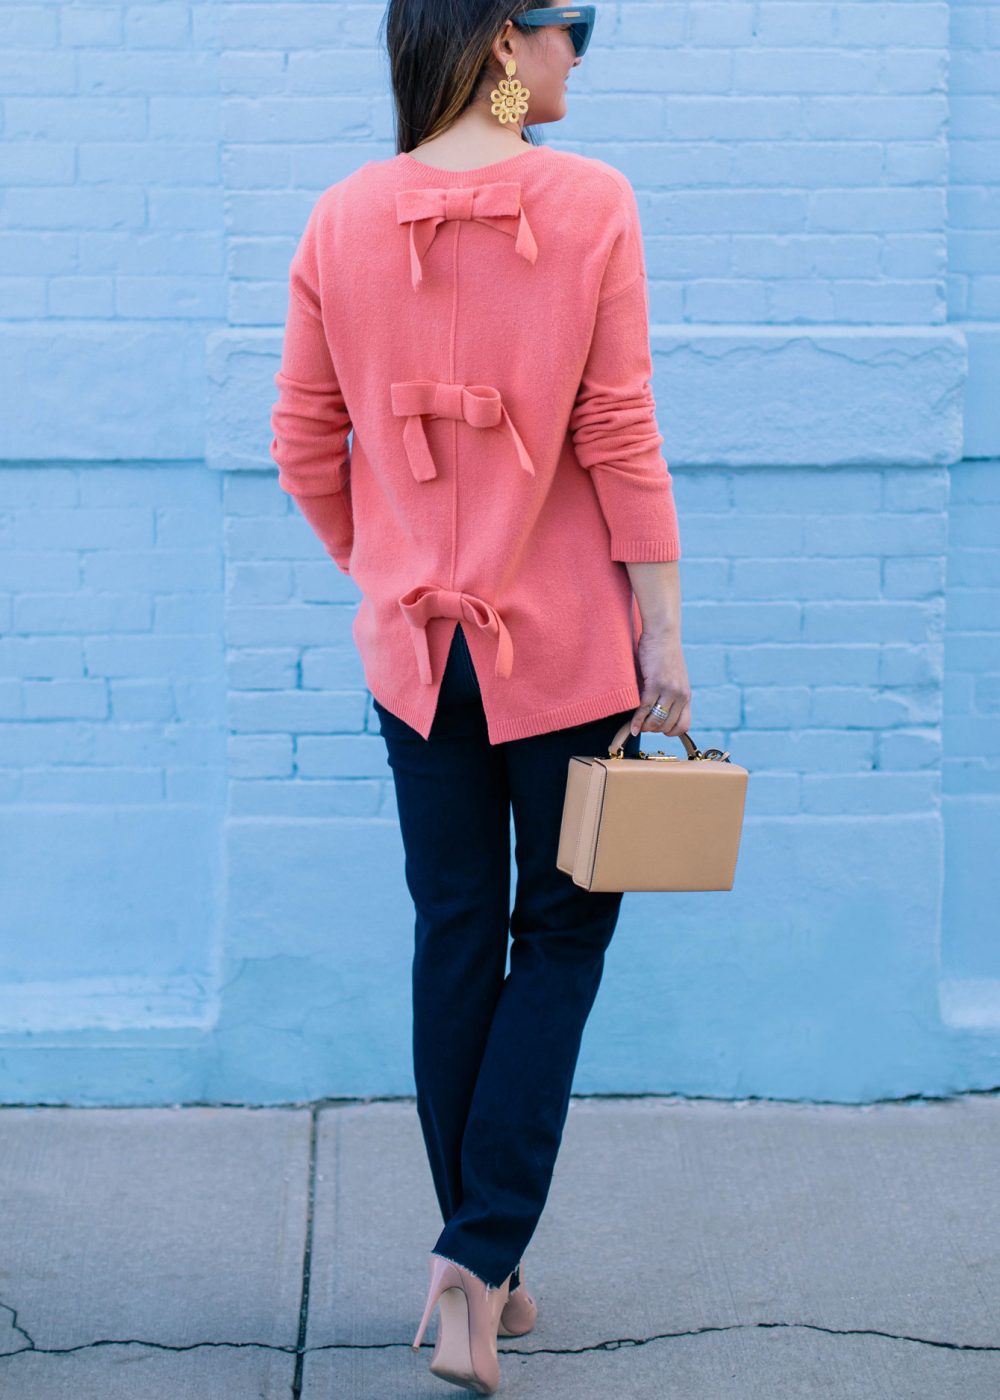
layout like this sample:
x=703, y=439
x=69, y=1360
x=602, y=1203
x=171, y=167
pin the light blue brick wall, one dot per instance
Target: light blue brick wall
x=974, y=213
x=204, y=895
x=971, y=756
x=112, y=757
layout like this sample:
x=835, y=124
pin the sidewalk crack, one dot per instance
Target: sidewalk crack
x=300, y=1344
x=16, y=1327
x=611, y=1344
x=614, y=1343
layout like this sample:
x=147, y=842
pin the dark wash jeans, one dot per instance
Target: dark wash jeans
x=494, y=1056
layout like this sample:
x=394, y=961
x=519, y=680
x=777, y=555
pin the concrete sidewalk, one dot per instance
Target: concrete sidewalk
x=703, y=1250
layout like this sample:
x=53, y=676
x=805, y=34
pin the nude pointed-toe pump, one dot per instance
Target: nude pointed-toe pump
x=466, y=1349
x=520, y=1313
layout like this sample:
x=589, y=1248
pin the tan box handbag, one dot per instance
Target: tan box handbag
x=656, y=822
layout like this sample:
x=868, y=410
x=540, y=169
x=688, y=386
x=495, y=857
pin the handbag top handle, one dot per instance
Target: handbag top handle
x=616, y=749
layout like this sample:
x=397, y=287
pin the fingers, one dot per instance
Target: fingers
x=639, y=718
x=643, y=720
x=676, y=720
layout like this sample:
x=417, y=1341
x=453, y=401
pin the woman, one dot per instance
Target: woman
x=475, y=310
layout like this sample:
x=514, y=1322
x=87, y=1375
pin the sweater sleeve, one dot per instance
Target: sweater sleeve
x=309, y=421
x=613, y=421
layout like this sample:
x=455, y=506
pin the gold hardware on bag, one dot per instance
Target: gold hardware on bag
x=722, y=755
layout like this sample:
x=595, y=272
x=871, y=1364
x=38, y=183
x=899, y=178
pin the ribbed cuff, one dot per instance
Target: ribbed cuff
x=661, y=551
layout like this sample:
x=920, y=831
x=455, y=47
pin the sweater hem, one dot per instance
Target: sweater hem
x=402, y=709
x=608, y=702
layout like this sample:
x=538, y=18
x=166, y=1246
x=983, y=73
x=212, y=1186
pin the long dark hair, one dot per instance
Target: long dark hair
x=438, y=56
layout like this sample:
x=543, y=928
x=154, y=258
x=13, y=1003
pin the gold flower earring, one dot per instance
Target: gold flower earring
x=510, y=99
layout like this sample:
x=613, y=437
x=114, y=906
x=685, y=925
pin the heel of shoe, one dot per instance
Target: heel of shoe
x=452, y=1359
x=439, y=1282
x=466, y=1349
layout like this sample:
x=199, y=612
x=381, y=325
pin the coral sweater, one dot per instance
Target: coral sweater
x=483, y=338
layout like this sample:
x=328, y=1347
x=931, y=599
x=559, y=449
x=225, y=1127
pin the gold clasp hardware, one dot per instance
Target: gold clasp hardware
x=660, y=757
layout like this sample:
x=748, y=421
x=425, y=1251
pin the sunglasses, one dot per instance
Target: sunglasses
x=580, y=18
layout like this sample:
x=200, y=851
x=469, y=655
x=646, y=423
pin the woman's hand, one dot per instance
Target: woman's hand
x=665, y=682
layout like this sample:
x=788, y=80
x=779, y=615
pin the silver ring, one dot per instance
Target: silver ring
x=658, y=710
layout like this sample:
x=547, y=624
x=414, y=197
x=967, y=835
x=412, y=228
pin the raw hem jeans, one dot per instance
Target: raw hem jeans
x=494, y=1056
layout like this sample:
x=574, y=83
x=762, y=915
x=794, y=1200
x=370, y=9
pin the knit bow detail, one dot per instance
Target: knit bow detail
x=498, y=205
x=479, y=405
x=419, y=605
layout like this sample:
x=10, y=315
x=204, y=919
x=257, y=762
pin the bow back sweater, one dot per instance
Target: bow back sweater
x=482, y=338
